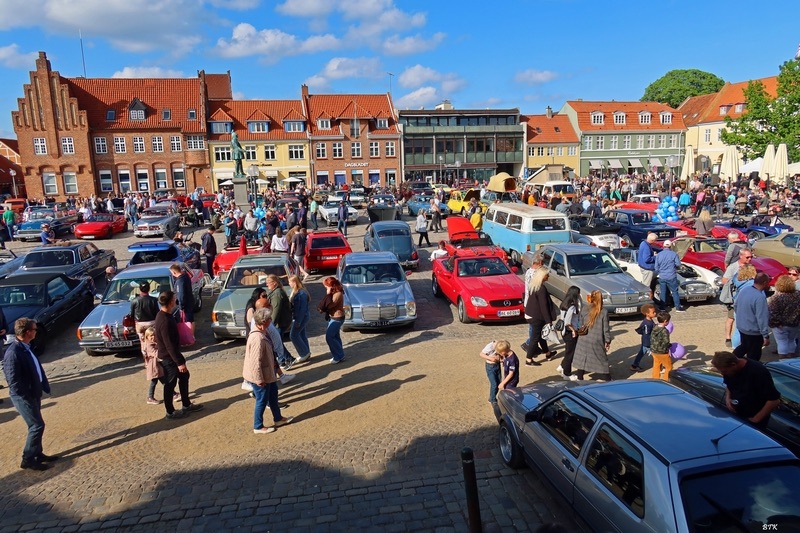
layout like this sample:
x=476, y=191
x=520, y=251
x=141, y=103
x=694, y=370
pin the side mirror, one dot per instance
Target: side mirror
x=514, y=269
x=532, y=416
x=624, y=269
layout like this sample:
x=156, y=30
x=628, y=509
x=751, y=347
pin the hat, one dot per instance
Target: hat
x=667, y=243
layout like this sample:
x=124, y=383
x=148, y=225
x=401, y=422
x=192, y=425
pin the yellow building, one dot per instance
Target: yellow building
x=550, y=140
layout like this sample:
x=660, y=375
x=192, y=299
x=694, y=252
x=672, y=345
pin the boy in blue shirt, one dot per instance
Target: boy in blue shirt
x=510, y=364
x=644, y=329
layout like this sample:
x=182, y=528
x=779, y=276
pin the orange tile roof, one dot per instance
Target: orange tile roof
x=13, y=144
x=97, y=95
x=218, y=86
x=220, y=116
x=274, y=111
x=732, y=94
x=693, y=108
x=542, y=130
x=585, y=109
x=348, y=106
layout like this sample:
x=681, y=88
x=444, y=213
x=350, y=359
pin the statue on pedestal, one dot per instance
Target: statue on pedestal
x=238, y=155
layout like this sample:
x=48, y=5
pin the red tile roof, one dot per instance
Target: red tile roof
x=584, y=112
x=730, y=95
x=693, y=108
x=218, y=86
x=273, y=111
x=13, y=144
x=348, y=106
x=554, y=130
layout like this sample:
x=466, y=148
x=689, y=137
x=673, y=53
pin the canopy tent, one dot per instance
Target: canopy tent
x=781, y=165
x=596, y=164
x=687, y=170
x=260, y=181
x=636, y=163
x=753, y=166
x=768, y=166
x=614, y=163
x=227, y=183
x=293, y=180
x=793, y=169
x=502, y=182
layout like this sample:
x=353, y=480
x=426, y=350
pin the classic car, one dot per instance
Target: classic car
x=74, y=259
x=382, y=207
x=686, y=227
x=695, y=284
x=225, y=260
x=61, y=223
x=784, y=422
x=52, y=299
x=459, y=201
x=324, y=250
x=423, y=201
x=248, y=272
x=600, y=232
x=461, y=234
x=329, y=212
x=621, y=465
x=209, y=200
x=606, y=241
x=481, y=286
x=160, y=220
x=410, y=188
x=376, y=291
x=636, y=224
x=357, y=197
x=101, y=226
x=784, y=248
x=710, y=254
x=164, y=252
x=392, y=236
x=644, y=202
x=759, y=226
x=592, y=269
x=9, y=262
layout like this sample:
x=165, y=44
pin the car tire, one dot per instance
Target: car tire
x=93, y=353
x=437, y=291
x=627, y=238
x=515, y=258
x=510, y=450
x=110, y=234
x=754, y=235
x=462, y=312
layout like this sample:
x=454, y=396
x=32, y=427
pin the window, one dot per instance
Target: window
x=557, y=265
x=666, y=118
x=338, y=150
x=50, y=184
x=178, y=178
x=157, y=142
x=195, y=142
x=601, y=143
x=383, y=124
x=258, y=127
x=626, y=142
x=719, y=134
x=250, y=152
x=550, y=151
x=138, y=145
x=390, y=151
x=531, y=151
x=166, y=114
x=175, y=143
x=662, y=141
x=540, y=151
x=500, y=218
x=221, y=127
x=572, y=150
x=67, y=146
x=222, y=153
x=723, y=109
x=651, y=141
x=100, y=145
x=293, y=125
x=161, y=178
x=644, y=117
x=614, y=142
x=321, y=150
x=619, y=467
x=105, y=181
x=324, y=123
x=707, y=135
x=598, y=118
x=297, y=151
x=619, y=118
x=514, y=222
x=111, y=115
x=374, y=149
x=739, y=108
x=124, y=178
x=70, y=183
x=142, y=179
x=119, y=145
x=673, y=141
x=569, y=423
x=560, y=151
x=136, y=114
x=355, y=128
x=639, y=142
x=269, y=151
x=192, y=114
x=355, y=149
x=587, y=142
x=39, y=146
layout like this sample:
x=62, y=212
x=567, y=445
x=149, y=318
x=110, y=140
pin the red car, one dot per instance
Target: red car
x=209, y=200
x=719, y=232
x=482, y=287
x=101, y=226
x=709, y=253
x=646, y=202
x=324, y=249
x=463, y=235
x=225, y=260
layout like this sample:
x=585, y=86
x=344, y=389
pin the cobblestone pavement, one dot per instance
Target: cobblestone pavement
x=375, y=444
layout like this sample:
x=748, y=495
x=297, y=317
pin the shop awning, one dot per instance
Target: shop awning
x=596, y=164
x=271, y=173
x=614, y=163
x=655, y=162
x=635, y=163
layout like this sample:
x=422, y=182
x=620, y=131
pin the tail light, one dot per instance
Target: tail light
x=414, y=255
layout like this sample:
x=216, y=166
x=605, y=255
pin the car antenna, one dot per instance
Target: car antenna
x=715, y=440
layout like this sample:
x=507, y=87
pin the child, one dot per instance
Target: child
x=659, y=346
x=510, y=364
x=152, y=368
x=645, y=329
x=492, y=360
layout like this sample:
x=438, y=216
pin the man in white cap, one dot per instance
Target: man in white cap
x=666, y=268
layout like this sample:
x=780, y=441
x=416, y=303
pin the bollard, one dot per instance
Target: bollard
x=471, y=489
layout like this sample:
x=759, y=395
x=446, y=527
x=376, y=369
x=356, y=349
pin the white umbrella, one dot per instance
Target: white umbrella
x=260, y=181
x=752, y=166
x=730, y=163
x=226, y=183
x=781, y=166
x=687, y=170
x=767, y=167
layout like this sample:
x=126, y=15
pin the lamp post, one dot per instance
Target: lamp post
x=14, y=181
x=456, y=177
x=439, y=177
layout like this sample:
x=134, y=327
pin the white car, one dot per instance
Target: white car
x=329, y=210
x=695, y=284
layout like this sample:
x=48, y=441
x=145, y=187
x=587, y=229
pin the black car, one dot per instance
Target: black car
x=784, y=423
x=74, y=259
x=52, y=300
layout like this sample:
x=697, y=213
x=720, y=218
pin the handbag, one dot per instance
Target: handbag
x=549, y=334
x=185, y=335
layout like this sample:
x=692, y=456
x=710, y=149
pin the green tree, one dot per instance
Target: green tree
x=677, y=85
x=768, y=120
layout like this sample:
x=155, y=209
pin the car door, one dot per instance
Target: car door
x=446, y=279
x=369, y=238
x=559, y=279
x=88, y=260
x=784, y=423
x=789, y=253
x=57, y=304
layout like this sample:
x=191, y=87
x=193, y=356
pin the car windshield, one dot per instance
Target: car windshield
x=482, y=266
x=334, y=241
x=155, y=256
x=743, y=499
x=592, y=263
x=40, y=214
x=423, y=198
x=332, y=205
x=49, y=258
x=22, y=295
x=126, y=290
x=377, y=273
x=641, y=218
x=254, y=276
x=101, y=217
x=711, y=245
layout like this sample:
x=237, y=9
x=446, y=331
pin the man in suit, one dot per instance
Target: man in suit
x=26, y=382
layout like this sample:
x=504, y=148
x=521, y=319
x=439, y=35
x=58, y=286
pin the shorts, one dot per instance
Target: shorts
x=647, y=278
x=300, y=260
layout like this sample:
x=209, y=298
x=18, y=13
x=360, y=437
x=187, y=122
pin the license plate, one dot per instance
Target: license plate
x=88, y=236
x=243, y=333
x=328, y=257
x=621, y=310
x=378, y=324
x=696, y=298
x=508, y=312
x=119, y=344
x=663, y=234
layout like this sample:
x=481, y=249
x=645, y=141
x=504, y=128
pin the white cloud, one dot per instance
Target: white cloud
x=398, y=46
x=272, y=44
x=238, y=5
x=535, y=77
x=11, y=57
x=419, y=75
x=422, y=97
x=306, y=8
x=357, y=67
x=452, y=83
x=317, y=83
x=147, y=72
x=238, y=95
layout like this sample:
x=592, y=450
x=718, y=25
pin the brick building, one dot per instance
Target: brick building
x=11, y=181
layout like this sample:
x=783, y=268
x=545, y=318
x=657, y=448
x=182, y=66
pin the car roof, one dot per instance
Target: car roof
x=324, y=233
x=701, y=429
x=151, y=246
x=30, y=279
x=384, y=224
x=790, y=366
x=144, y=269
x=261, y=259
x=368, y=258
x=571, y=248
x=59, y=246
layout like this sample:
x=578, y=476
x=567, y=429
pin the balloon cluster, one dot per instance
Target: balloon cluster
x=676, y=349
x=667, y=210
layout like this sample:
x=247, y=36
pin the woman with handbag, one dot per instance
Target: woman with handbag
x=570, y=314
x=333, y=307
x=183, y=292
x=539, y=310
x=594, y=340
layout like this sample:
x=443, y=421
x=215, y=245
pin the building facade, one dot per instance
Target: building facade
x=550, y=140
x=627, y=137
x=11, y=178
x=461, y=145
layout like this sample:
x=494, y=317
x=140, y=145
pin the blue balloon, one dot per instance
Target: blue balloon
x=672, y=209
x=671, y=219
x=674, y=199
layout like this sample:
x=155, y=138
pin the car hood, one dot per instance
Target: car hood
x=33, y=225
x=372, y=293
x=233, y=299
x=494, y=287
x=107, y=313
x=93, y=226
x=610, y=283
x=13, y=312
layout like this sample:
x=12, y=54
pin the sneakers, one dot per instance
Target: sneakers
x=175, y=414
x=283, y=421
x=635, y=368
x=286, y=378
x=44, y=458
x=681, y=310
x=176, y=396
x=192, y=407
x=30, y=465
x=153, y=401
x=573, y=377
x=335, y=362
x=550, y=355
x=305, y=358
x=264, y=430
x=532, y=362
x=560, y=369
x=289, y=364
x=728, y=342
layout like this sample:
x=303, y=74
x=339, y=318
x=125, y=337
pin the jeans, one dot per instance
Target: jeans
x=284, y=359
x=786, y=338
x=210, y=264
x=30, y=409
x=170, y=379
x=299, y=337
x=151, y=392
x=643, y=350
x=314, y=220
x=266, y=395
x=436, y=221
x=423, y=235
x=342, y=226
x=538, y=345
x=672, y=285
x=494, y=375
x=333, y=337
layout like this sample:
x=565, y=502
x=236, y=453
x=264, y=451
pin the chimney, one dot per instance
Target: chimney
x=549, y=112
x=304, y=91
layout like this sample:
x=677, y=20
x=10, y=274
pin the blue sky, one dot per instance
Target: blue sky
x=508, y=53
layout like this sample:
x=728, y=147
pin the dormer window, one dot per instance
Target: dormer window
x=136, y=111
x=723, y=109
x=258, y=126
x=166, y=114
x=383, y=123
x=294, y=125
x=666, y=118
x=598, y=118
x=619, y=118
x=193, y=114
x=644, y=117
x=739, y=108
x=111, y=115
x=221, y=127
x=324, y=123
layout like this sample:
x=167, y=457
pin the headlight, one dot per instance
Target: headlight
x=88, y=333
x=348, y=312
x=221, y=317
x=411, y=308
x=643, y=296
x=477, y=301
x=718, y=281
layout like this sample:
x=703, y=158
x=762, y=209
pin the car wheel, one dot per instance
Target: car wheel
x=110, y=233
x=462, y=312
x=435, y=287
x=754, y=235
x=510, y=449
x=625, y=238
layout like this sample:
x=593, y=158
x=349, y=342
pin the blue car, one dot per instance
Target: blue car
x=392, y=236
x=423, y=201
x=759, y=226
x=635, y=224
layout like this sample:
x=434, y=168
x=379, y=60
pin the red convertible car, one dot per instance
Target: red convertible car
x=481, y=286
x=462, y=234
x=647, y=202
x=324, y=249
x=101, y=226
x=710, y=253
x=719, y=232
